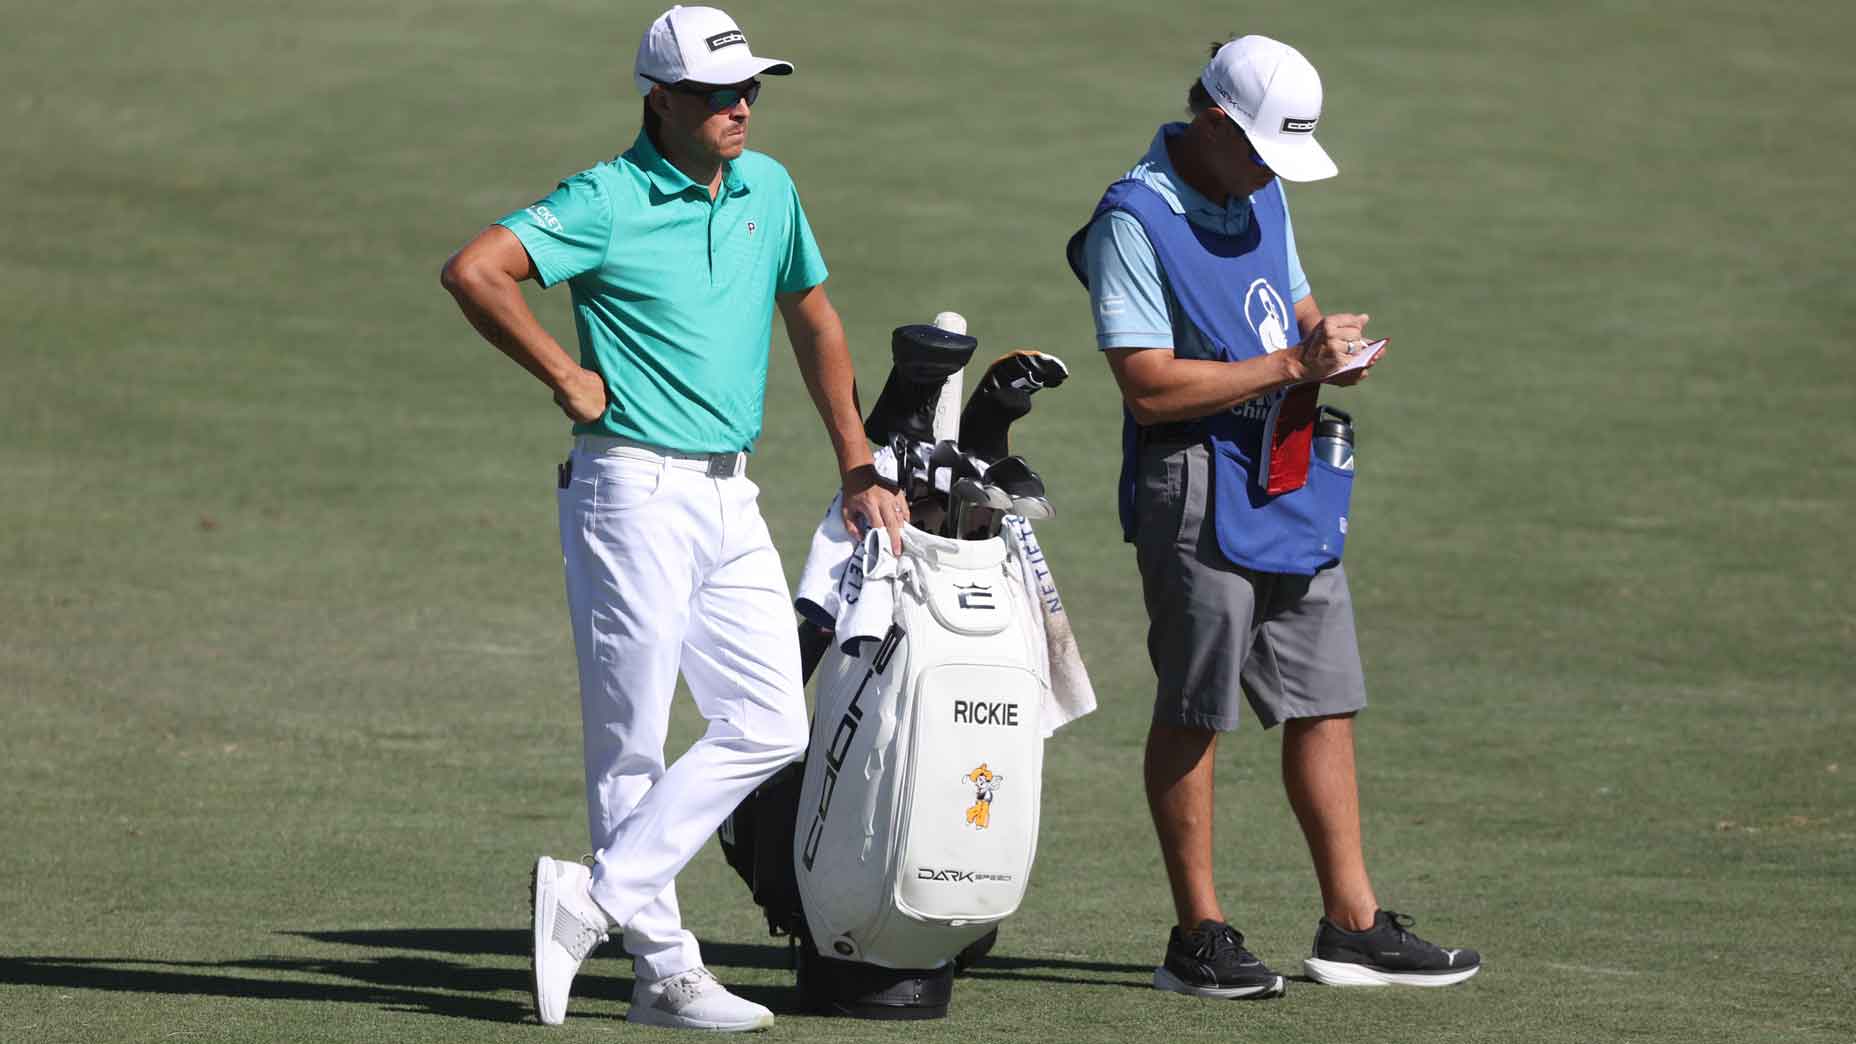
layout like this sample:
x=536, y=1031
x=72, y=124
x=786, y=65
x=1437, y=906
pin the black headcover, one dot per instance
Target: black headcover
x=922, y=358
x=928, y=353
x=1002, y=396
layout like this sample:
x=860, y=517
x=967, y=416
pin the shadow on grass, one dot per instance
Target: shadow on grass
x=393, y=983
x=497, y=942
x=451, y=988
x=1041, y=969
x=772, y=956
x=396, y=982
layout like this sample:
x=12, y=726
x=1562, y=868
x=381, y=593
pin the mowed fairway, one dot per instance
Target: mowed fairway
x=287, y=704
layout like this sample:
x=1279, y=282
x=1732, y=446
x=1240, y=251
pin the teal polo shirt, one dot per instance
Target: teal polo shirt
x=673, y=293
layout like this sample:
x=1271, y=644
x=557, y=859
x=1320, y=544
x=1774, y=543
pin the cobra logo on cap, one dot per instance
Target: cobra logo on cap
x=1300, y=126
x=727, y=39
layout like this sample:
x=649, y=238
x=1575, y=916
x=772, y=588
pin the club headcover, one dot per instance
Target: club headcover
x=1003, y=395
x=922, y=358
x=921, y=352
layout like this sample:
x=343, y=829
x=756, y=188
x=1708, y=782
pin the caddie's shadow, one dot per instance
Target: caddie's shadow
x=1009, y=968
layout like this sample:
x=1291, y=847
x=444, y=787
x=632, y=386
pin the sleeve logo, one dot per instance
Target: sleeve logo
x=545, y=218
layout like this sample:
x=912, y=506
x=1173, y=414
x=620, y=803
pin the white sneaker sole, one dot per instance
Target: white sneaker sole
x=1166, y=980
x=1341, y=973
x=656, y=1017
x=541, y=886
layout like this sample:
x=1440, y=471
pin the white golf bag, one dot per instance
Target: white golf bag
x=918, y=815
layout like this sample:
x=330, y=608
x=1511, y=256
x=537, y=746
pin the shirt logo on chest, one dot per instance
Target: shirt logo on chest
x=1267, y=315
x=750, y=228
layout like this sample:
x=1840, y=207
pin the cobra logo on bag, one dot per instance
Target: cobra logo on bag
x=841, y=742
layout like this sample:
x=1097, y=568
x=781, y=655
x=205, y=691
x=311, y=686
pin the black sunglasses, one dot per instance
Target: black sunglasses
x=1255, y=156
x=718, y=99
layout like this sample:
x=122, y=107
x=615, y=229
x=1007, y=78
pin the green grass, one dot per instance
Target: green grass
x=286, y=695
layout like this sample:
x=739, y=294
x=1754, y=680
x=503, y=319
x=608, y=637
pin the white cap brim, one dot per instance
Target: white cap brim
x=1303, y=160
x=746, y=67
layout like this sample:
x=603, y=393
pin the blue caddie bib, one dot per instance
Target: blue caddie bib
x=1234, y=290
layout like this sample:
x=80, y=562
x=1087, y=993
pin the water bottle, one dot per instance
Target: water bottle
x=1334, y=437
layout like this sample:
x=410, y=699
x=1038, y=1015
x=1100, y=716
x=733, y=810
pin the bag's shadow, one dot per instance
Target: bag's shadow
x=447, y=983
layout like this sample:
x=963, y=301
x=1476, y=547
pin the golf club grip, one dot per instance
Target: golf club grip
x=947, y=408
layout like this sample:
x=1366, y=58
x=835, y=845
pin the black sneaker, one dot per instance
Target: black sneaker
x=1210, y=961
x=1387, y=954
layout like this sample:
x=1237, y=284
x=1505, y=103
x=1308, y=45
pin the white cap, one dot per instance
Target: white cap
x=701, y=44
x=1272, y=93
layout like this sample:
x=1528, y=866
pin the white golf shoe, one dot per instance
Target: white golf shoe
x=694, y=1000
x=567, y=925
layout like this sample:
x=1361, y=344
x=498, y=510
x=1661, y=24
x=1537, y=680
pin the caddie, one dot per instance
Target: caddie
x=676, y=253
x=1214, y=337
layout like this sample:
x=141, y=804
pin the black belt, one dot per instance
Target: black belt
x=1171, y=432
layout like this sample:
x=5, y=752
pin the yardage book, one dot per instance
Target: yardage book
x=1367, y=353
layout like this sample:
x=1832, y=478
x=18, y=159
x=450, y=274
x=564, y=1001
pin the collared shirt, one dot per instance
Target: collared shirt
x=673, y=292
x=1134, y=307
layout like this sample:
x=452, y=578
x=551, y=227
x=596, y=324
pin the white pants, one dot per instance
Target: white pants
x=670, y=570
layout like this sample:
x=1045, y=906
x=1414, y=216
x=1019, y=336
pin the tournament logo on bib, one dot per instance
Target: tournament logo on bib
x=985, y=785
x=1269, y=318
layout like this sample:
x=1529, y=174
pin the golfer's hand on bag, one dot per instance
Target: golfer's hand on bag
x=868, y=502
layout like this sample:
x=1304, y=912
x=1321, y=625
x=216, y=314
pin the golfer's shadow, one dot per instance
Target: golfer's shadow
x=439, y=976
x=432, y=971
x=606, y=976
x=393, y=983
x=592, y=982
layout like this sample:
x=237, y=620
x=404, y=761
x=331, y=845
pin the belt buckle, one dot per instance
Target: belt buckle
x=722, y=466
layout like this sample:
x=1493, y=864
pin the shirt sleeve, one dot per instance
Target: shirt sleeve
x=567, y=232
x=1126, y=290
x=803, y=267
x=1298, y=279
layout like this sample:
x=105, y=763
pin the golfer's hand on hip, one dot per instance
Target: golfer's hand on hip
x=582, y=396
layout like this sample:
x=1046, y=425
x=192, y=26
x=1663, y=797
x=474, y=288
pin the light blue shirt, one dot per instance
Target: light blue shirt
x=1133, y=305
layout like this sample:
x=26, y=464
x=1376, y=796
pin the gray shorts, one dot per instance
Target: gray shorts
x=1216, y=630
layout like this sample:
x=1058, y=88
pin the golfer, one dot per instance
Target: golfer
x=1189, y=260
x=676, y=253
